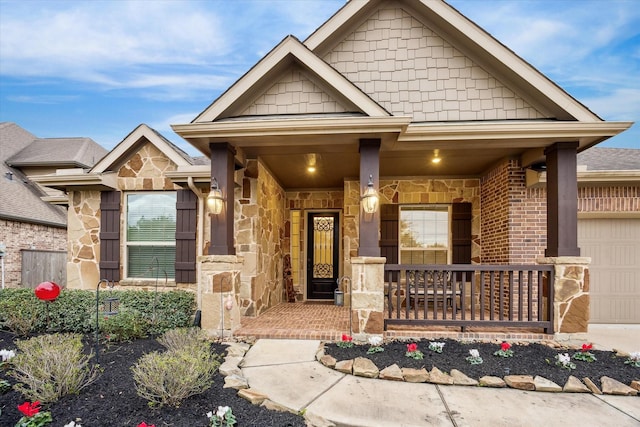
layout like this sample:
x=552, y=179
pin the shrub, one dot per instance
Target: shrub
x=48, y=367
x=127, y=325
x=182, y=338
x=170, y=377
x=75, y=310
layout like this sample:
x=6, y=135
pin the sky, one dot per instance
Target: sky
x=99, y=68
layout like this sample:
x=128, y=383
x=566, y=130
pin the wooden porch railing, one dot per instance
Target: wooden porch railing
x=465, y=295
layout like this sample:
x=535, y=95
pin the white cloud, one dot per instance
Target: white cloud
x=621, y=104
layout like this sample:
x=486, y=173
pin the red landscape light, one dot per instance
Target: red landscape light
x=47, y=291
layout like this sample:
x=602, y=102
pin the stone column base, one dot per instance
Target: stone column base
x=218, y=288
x=571, y=295
x=367, y=293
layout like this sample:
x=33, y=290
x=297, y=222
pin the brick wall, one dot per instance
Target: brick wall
x=609, y=199
x=21, y=235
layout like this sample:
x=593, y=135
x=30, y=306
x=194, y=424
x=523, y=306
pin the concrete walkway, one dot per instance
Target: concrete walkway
x=287, y=372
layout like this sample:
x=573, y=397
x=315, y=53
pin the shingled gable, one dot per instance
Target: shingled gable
x=132, y=143
x=289, y=53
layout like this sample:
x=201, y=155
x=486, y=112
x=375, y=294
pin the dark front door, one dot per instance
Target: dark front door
x=322, y=254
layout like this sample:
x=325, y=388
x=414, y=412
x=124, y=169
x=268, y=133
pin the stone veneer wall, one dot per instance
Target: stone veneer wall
x=412, y=191
x=305, y=201
x=143, y=171
x=412, y=71
x=260, y=223
x=21, y=235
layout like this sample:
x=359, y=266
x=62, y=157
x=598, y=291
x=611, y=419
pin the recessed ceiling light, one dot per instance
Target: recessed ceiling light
x=311, y=169
x=436, y=160
x=436, y=157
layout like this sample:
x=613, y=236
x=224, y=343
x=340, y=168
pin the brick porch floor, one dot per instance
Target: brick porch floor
x=328, y=322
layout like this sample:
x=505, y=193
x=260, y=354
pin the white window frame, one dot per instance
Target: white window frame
x=127, y=244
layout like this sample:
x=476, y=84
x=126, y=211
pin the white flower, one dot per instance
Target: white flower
x=474, y=353
x=7, y=355
x=564, y=358
x=635, y=356
x=73, y=424
x=375, y=340
x=209, y=414
x=222, y=411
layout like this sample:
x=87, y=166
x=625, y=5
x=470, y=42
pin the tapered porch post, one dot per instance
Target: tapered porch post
x=562, y=200
x=222, y=224
x=369, y=227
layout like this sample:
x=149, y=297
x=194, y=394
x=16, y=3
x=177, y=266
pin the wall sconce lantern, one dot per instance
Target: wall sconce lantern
x=215, y=201
x=370, y=199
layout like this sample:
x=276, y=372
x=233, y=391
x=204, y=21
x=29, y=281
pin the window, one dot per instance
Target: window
x=424, y=234
x=151, y=235
x=295, y=246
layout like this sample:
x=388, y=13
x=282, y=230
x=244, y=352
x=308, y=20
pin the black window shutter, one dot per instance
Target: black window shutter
x=389, y=232
x=110, y=235
x=186, y=223
x=461, y=233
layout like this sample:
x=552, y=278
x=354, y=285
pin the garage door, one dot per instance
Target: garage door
x=614, y=248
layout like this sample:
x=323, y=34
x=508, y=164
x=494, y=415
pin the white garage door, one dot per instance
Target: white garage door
x=614, y=248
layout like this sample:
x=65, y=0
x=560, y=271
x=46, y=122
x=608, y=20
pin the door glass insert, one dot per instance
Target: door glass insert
x=323, y=247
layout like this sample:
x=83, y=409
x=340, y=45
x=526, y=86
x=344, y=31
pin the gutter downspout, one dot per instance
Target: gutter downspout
x=200, y=234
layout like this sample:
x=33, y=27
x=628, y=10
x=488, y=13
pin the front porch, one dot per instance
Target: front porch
x=325, y=321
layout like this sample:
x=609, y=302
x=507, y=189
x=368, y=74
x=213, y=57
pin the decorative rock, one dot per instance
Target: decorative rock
x=393, y=373
x=363, y=367
x=235, y=381
x=412, y=375
x=460, y=378
x=591, y=386
x=520, y=382
x=611, y=386
x=345, y=366
x=621, y=353
x=237, y=349
x=635, y=384
x=320, y=352
x=436, y=376
x=489, y=381
x=230, y=366
x=313, y=420
x=273, y=406
x=574, y=385
x=252, y=396
x=543, y=384
x=328, y=361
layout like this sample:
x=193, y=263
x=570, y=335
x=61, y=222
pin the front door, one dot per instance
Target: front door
x=322, y=254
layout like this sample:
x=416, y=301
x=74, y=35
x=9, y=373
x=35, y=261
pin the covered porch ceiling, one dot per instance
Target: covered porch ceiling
x=287, y=146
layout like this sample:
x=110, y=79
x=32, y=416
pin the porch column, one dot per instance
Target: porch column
x=562, y=200
x=218, y=289
x=367, y=297
x=222, y=168
x=369, y=224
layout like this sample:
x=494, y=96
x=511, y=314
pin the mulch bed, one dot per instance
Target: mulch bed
x=530, y=359
x=112, y=399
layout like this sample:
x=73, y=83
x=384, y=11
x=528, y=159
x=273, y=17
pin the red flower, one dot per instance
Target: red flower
x=29, y=409
x=143, y=424
x=346, y=337
x=586, y=347
x=505, y=346
x=412, y=347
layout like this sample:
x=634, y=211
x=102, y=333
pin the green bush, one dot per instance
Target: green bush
x=170, y=377
x=50, y=366
x=75, y=310
x=127, y=325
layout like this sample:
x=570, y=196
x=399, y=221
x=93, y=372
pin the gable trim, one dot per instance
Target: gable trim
x=290, y=49
x=127, y=145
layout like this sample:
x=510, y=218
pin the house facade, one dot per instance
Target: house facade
x=406, y=101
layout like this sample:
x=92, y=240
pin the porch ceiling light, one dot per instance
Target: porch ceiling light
x=215, y=201
x=436, y=157
x=370, y=199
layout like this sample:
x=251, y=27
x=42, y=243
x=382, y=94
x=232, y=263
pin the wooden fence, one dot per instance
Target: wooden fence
x=43, y=266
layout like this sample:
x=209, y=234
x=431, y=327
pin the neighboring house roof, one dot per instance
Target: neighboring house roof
x=22, y=198
x=62, y=152
x=609, y=159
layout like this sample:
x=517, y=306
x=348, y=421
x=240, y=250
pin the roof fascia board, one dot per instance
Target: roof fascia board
x=506, y=130
x=33, y=221
x=125, y=147
x=333, y=125
x=291, y=46
x=596, y=177
x=63, y=182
